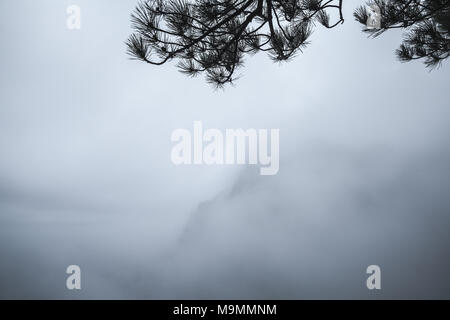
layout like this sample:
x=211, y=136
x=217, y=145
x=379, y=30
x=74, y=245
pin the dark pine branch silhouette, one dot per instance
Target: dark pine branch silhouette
x=212, y=36
x=427, y=25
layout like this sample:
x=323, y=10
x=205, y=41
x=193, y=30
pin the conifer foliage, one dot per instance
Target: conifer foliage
x=213, y=36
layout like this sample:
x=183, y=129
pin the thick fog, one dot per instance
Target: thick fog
x=86, y=176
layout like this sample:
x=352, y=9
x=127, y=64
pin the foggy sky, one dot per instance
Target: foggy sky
x=86, y=176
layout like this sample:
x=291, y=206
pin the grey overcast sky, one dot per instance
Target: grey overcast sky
x=86, y=176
